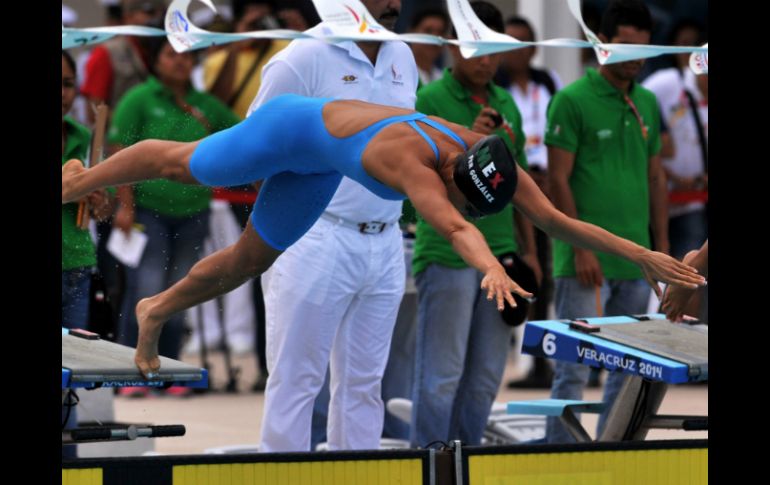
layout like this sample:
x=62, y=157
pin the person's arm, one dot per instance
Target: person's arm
x=125, y=215
x=223, y=80
x=527, y=247
x=667, y=147
x=686, y=183
x=428, y=194
x=525, y=231
x=223, y=85
x=123, y=202
x=564, y=134
x=678, y=300
x=126, y=130
x=484, y=122
x=658, y=186
x=560, y=165
x=700, y=260
x=101, y=204
x=655, y=266
x=658, y=204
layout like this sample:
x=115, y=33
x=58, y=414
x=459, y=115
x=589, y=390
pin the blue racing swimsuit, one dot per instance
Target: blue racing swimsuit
x=286, y=143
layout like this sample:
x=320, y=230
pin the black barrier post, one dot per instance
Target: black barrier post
x=441, y=467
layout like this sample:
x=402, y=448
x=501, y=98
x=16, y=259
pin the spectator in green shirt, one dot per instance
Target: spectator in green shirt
x=77, y=247
x=462, y=340
x=603, y=139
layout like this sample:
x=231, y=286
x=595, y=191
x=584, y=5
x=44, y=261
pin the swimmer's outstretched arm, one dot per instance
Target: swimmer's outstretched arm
x=655, y=266
x=429, y=196
x=145, y=160
x=210, y=277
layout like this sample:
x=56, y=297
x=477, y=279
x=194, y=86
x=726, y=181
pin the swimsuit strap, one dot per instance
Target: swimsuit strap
x=430, y=141
x=443, y=129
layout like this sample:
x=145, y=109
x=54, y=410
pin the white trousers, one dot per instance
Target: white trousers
x=331, y=300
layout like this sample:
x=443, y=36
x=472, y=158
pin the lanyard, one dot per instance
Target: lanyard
x=638, y=116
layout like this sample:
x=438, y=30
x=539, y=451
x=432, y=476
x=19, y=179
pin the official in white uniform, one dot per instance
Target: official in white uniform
x=332, y=297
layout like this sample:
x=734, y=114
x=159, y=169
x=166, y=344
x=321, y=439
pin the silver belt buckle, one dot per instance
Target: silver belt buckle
x=372, y=227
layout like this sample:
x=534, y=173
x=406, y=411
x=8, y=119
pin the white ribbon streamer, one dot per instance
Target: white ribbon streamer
x=349, y=20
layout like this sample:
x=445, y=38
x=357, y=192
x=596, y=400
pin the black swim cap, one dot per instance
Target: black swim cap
x=486, y=175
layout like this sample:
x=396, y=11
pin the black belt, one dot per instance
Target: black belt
x=372, y=227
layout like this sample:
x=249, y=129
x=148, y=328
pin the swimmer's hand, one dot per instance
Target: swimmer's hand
x=661, y=267
x=500, y=287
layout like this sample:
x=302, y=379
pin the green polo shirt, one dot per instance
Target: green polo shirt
x=149, y=111
x=609, y=180
x=77, y=248
x=448, y=99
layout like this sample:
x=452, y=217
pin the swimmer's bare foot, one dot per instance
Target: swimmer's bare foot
x=69, y=170
x=146, y=356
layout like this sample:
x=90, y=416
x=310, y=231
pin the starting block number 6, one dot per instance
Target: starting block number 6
x=549, y=344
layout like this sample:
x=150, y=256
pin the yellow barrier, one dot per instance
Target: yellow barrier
x=373, y=472
x=81, y=476
x=630, y=467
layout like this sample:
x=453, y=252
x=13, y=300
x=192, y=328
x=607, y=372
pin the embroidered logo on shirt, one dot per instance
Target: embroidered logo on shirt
x=350, y=79
x=396, y=76
x=604, y=134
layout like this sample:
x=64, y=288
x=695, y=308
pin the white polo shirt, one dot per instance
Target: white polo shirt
x=314, y=68
x=669, y=85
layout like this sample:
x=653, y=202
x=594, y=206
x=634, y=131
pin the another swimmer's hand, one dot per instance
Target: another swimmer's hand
x=660, y=267
x=676, y=299
x=500, y=287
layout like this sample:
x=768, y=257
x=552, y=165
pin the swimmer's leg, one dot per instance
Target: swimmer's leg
x=212, y=276
x=145, y=160
x=289, y=204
